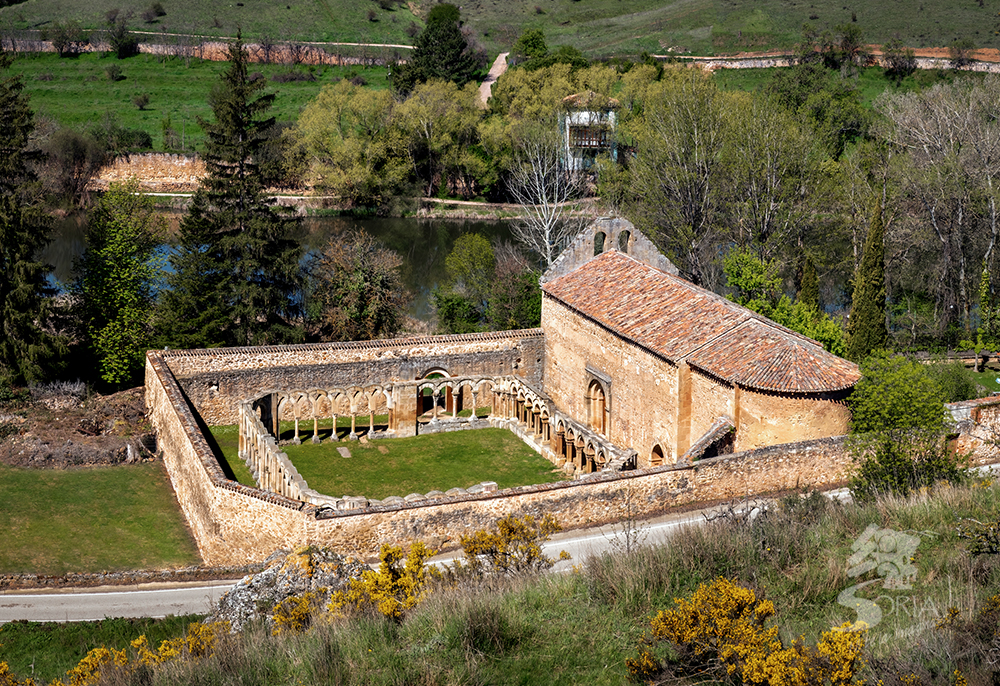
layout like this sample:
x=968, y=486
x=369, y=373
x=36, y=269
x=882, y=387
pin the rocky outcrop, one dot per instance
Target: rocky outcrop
x=307, y=569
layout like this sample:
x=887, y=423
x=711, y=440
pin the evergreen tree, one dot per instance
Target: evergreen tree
x=117, y=279
x=866, y=329
x=809, y=289
x=237, y=276
x=26, y=349
x=440, y=52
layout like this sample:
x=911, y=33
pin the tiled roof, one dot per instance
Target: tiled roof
x=679, y=320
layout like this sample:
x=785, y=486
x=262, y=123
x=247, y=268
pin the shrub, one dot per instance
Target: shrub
x=511, y=546
x=898, y=427
x=114, y=73
x=721, y=631
x=141, y=100
x=390, y=591
x=956, y=382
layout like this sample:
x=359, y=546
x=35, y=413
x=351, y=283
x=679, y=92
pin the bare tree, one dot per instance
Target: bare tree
x=539, y=181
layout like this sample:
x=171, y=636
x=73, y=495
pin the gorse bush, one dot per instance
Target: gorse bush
x=721, y=632
x=391, y=590
x=511, y=546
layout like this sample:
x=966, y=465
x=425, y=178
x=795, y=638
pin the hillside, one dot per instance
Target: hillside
x=597, y=27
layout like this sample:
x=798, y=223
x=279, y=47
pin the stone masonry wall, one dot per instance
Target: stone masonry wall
x=215, y=381
x=770, y=418
x=643, y=390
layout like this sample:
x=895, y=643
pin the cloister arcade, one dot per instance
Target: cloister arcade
x=435, y=403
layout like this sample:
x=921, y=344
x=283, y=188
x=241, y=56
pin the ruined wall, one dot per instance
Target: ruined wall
x=643, y=390
x=771, y=418
x=215, y=381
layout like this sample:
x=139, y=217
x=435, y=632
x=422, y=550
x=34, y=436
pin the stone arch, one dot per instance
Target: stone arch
x=656, y=457
x=600, y=238
x=624, y=241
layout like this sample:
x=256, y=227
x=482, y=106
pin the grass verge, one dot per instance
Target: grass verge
x=91, y=520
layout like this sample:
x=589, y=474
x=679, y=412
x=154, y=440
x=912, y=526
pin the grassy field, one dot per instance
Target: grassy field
x=46, y=650
x=282, y=20
x=76, y=92
x=91, y=520
x=597, y=27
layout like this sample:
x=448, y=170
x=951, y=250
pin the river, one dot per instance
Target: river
x=423, y=245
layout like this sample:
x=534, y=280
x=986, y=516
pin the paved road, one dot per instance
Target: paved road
x=81, y=605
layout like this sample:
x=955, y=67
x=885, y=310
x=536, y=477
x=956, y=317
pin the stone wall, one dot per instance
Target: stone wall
x=216, y=380
x=771, y=418
x=641, y=395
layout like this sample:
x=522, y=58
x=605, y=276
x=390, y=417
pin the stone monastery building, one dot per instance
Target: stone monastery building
x=672, y=370
x=635, y=378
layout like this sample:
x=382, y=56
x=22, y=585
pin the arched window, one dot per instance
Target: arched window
x=596, y=407
x=656, y=458
x=599, y=239
x=623, y=239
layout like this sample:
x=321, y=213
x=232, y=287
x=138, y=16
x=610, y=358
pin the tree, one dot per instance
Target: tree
x=898, y=425
x=809, y=288
x=677, y=168
x=899, y=60
x=515, y=298
x=358, y=288
x=352, y=147
x=540, y=183
x=236, y=274
x=531, y=45
x=117, y=280
x=441, y=51
x=120, y=40
x=26, y=349
x=867, y=331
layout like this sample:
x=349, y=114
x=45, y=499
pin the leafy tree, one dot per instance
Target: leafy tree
x=117, y=278
x=898, y=425
x=441, y=51
x=357, y=285
x=27, y=350
x=67, y=37
x=900, y=61
x=515, y=297
x=440, y=122
x=531, y=45
x=121, y=41
x=757, y=286
x=353, y=149
x=236, y=274
x=72, y=159
x=867, y=331
x=471, y=267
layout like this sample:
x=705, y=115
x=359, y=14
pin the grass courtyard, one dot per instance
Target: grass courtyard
x=400, y=466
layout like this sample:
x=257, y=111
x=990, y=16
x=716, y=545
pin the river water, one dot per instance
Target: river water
x=423, y=245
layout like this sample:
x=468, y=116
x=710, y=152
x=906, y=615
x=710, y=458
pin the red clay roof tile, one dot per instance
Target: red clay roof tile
x=678, y=320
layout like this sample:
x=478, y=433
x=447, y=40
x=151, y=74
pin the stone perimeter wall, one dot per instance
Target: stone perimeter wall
x=236, y=524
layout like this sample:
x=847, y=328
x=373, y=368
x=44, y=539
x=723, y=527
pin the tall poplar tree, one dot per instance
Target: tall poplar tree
x=866, y=329
x=237, y=279
x=26, y=349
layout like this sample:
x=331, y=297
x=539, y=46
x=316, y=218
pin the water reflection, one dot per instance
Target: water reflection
x=422, y=243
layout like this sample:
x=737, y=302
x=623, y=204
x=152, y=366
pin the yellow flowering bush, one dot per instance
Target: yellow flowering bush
x=722, y=630
x=394, y=588
x=294, y=613
x=8, y=679
x=512, y=546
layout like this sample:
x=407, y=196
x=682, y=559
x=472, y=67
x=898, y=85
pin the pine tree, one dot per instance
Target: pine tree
x=26, y=349
x=440, y=52
x=867, y=330
x=237, y=276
